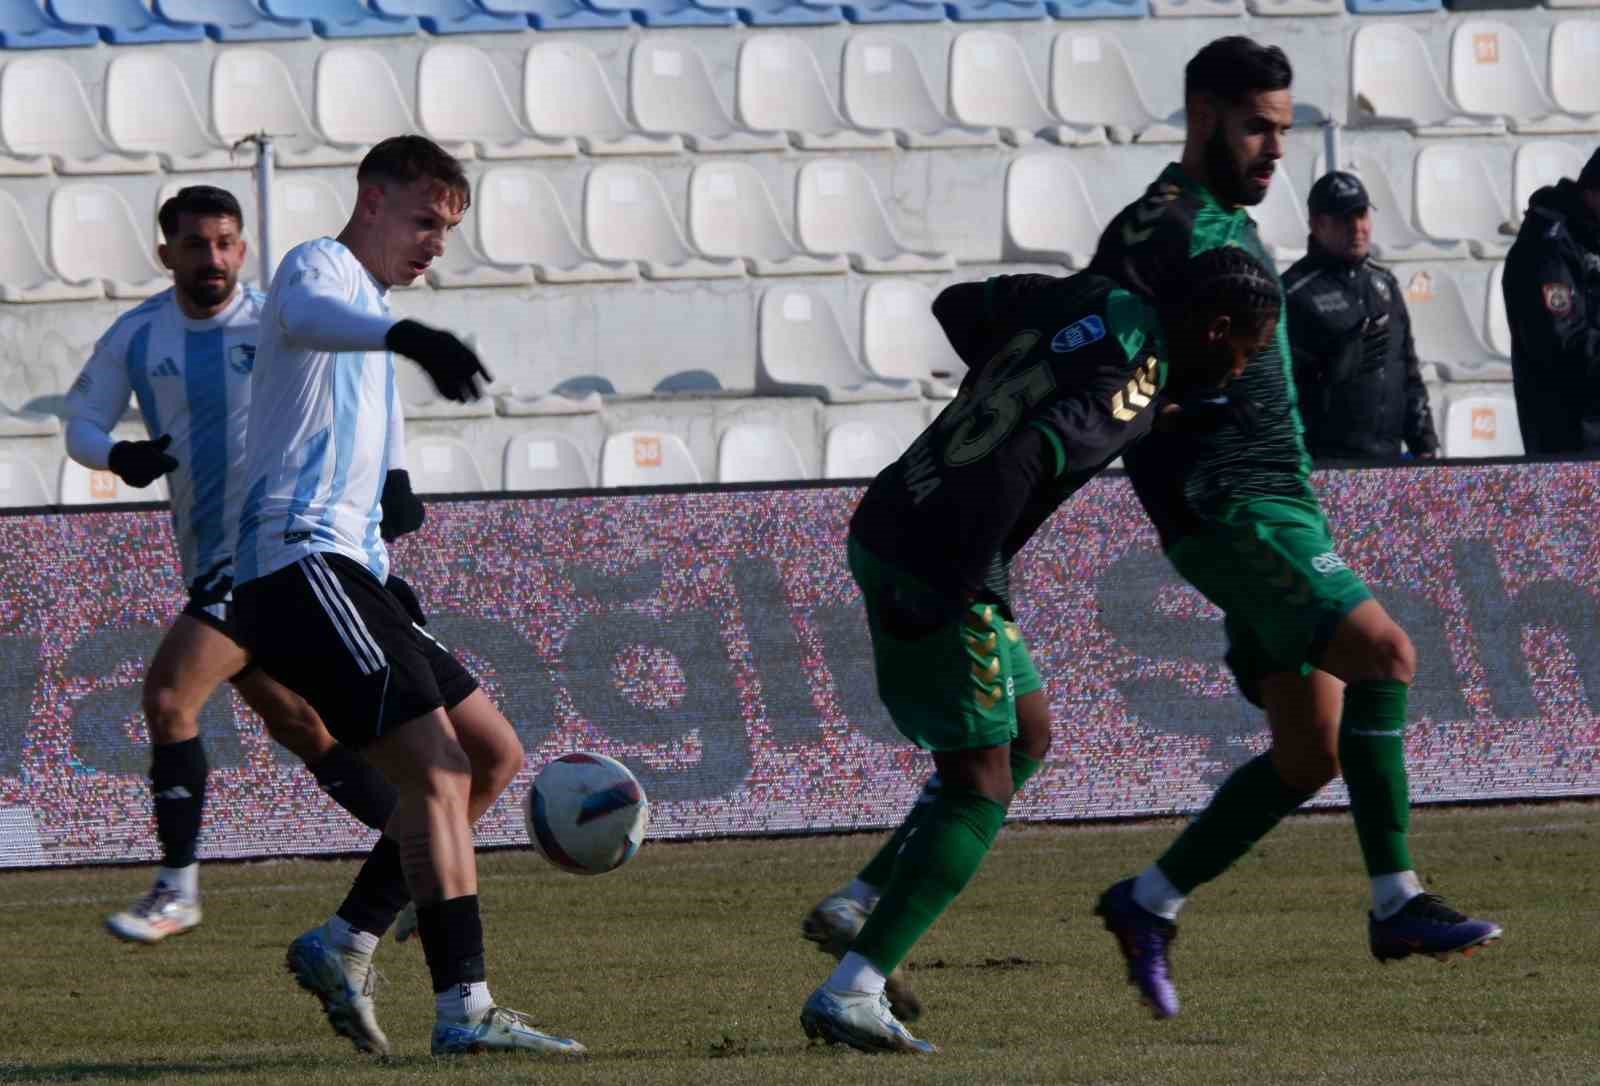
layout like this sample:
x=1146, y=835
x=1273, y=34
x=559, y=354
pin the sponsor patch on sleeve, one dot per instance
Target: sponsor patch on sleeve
x=1078, y=334
x=1558, y=298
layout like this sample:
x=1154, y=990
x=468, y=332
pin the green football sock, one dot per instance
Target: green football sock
x=1372, y=751
x=880, y=869
x=1022, y=767
x=936, y=864
x=1250, y=802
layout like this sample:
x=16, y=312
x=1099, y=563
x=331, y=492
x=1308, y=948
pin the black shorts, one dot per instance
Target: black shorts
x=325, y=628
x=211, y=602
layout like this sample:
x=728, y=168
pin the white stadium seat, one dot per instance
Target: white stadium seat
x=1456, y=196
x=1492, y=73
x=732, y=214
x=780, y=88
x=837, y=210
x=1542, y=163
x=149, y=110
x=885, y=87
x=1092, y=82
x=442, y=465
x=901, y=339
x=460, y=99
x=1393, y=82
x=535, y=460
x=670, y=90
x=85, y=486
x=24, y=274
x=750, y=452
x=463, y=267
x=358, y=100
x=858, y=450
x=1497, y=327
x=1393, y=235
x=565, y=93
x=419, y=399
x=1048, y=215
x=22, y=484
x=1196, y=9
x=1446, y=331
x=992, y=85
x=646, y=458
x=1295, y=7
x=1574, y=57
x=802, y=350
x=45, y=112
x=303, y=208
x=1481, y=426
x=626, y=216
x=521, y=222
x=251, y=92
x=1281, y=219
x=94, y=236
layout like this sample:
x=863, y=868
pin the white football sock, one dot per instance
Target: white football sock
x=185, y=880
x=1391, y=892
x=349, y=939
x=463, y=1002
x=855, y=974
x=1153, y=891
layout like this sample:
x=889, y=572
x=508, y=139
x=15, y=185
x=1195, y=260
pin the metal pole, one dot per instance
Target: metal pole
x=264, y=207
x=1330, y=144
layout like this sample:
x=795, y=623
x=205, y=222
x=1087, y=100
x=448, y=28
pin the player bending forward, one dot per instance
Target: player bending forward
x=186, y=355
x=313, y=609
x=1064, y=375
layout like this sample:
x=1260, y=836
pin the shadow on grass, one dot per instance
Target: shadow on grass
x=272, y=1069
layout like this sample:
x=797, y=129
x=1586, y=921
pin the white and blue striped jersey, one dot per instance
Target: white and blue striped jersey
x=192, y=381
x=325, y=420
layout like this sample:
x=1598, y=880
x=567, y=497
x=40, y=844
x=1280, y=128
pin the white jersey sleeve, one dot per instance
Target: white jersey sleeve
x=316, y=311
x=98, y=398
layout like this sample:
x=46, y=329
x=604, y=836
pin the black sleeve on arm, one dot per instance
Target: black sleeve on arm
x=1419, y=433
x=1557, y=326
x=969, y=312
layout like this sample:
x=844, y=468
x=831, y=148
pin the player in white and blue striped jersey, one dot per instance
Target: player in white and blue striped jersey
x=185, y=355
x=314, y=611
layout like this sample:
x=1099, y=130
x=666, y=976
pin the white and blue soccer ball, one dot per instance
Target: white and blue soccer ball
x=586, y=813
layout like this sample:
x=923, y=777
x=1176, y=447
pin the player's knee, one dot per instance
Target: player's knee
x=169, y=718
x=1394, y=656
x=505, y=763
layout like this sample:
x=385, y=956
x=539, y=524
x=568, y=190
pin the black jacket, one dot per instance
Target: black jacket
x=1552, y=290
x=1355, y=363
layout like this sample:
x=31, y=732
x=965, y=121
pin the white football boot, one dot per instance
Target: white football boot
x=500, y=1029
x=344, y=982
x=160, y=913
x=860, y=1020
x=833, y=925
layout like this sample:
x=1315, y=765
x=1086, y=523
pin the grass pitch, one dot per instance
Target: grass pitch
x=687, y=967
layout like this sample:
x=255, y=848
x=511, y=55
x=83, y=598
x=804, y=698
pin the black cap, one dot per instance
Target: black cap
x=1590, y=177
x=1338, y=193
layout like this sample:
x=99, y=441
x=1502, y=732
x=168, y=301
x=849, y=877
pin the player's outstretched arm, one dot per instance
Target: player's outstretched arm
x=449, y=363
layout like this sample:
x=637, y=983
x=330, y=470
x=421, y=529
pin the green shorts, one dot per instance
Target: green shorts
x=949, y=683
x=1270, y=565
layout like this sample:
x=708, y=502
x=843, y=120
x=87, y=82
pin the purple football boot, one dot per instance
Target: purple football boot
x=1426, y=925
x=1144, y=938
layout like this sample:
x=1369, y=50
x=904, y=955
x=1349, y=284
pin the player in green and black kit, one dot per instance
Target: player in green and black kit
x=1063, y=375
x=1238, y=519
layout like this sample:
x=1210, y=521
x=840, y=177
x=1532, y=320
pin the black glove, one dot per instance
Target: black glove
x=402, y=510
x=407, y=596
x=450, y=363
x=1206, y=413
x=140, y=463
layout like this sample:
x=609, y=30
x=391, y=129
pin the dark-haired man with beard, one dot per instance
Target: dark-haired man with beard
x=1238, y=519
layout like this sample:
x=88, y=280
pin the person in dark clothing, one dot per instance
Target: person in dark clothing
x=1355, y=364
x=1552, y=292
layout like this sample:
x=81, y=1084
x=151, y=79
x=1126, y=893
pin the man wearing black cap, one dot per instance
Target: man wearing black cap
x=1355, y=365
x=1552, y=290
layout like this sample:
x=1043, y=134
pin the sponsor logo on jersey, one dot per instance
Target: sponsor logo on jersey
x=1328, y=562
x=1558, y=298
x=1078, y=334
x=242, y=358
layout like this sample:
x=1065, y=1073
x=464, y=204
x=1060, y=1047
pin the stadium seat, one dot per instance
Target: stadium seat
x=521, y=222
x=780, y=88
x=463, y=267
x=780, y=12
x=837, y=210
x=1195, y=9
x=442, y=465
x=24, y=275
x=1457, y=197
x=901, y=339
x=750, y=452
x=885, y=87
x=991, y=85
x=1572, y=3
x=858, y=450
x=1492, y=73
x=232, y=20
x=1542, y=163
x=1281, y=221
x=149, y=110
x=535, y=460
x=1048, y=216
x=1092, y=84
x=976, y=11
x=25, y=25
x=122, y=22
x=1295, y=7
x=732, y=214
x=341, y=18
x=646, y=458
x=661, y=13
x=22, y=484
x=565, y=93
x=559, y=14
x=1481, y=426
x=27, y=423
x=894, y=11
x=1574, y=57
x=79, y=485
x=1392, y=7
x=358, y=99
x=802, y=351
x=419, y=399
x=1496, y=326
x=460, y=99
x=303, y=208
x=626, y=216
x=1446, y=332
x=252, y=91
x=451, y=16
x=1393, y=235
x=45, y=112
x=670, y=90
x=1098, y=9
x=93, y=236
x=1393, y=83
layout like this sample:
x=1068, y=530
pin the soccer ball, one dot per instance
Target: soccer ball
x=586, y=813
